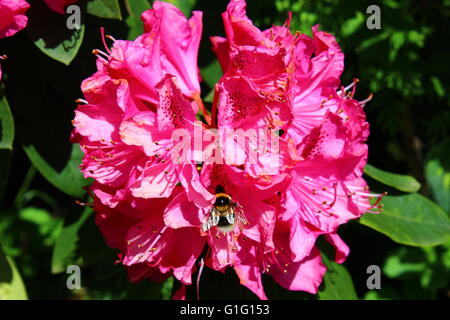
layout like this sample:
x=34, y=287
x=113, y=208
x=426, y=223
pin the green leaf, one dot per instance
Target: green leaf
x=109, y=9
x=337, y=283
x=211, y=73
x=398, y=264
x=5, y=165
x=184, y=5
x=439, y=180
x=69, y=180
x=48, y=226
x=352, y=25
x=6, y=142
x=386, y=293
x=6, y=125
x=411, y=219
x=35, y=215
x=67, y=244
x=166, y=289
x=11, y=284
x=398, y=181
x=133, y=21
x=50, y=33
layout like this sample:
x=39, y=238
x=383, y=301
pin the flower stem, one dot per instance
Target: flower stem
x=205, y=112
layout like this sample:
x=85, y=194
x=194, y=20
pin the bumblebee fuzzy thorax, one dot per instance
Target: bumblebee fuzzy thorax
x=223, y=203
x=224, y=213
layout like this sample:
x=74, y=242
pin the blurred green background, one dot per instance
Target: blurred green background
x=405, y=64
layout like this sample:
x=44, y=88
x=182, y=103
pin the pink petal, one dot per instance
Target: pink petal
x=305, y=275
x=342, y=250
x=140, y=271
x=157, y=245
x=180, y=294
x=182, y=213
x=222, y=50
x=321, y=202
x=113, y=226
x=59, y=5
x=173, y=110
x=140, y=130
x=250, y=276
x=238, y=27
x=302, y=239
x=12, y=17
x=180, y=39
x=196, y=192
x=158, y=181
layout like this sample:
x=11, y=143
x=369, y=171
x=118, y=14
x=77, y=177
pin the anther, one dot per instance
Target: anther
x=110, y=38
x=79, y=101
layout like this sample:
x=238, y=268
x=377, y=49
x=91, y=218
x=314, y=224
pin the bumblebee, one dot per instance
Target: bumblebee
x=224, y=214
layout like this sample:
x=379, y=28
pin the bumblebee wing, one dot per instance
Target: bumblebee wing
x=211, y=221
x=240, y=215
x=231, y=217
x=242, y=219
x=214, y=219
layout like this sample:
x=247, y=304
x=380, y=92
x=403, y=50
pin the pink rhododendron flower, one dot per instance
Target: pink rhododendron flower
x=277, y=164
x=132, y=108
x=150, y=248
x=179, y=43
x=59, y=6
x=12, y=17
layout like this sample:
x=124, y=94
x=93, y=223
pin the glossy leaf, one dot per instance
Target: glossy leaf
x=410, y=219
x=398, y=181
x=6, y=142
x=211, y=73
x=50, y=33
x=109, y=9
x=337, y=283
x=69, y=180
x=439, y=180
x=134, y=22
x=184, y=5
x=11, y=284
x=6, y=125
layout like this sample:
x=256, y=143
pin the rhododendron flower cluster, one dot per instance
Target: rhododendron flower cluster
x=277, y=163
